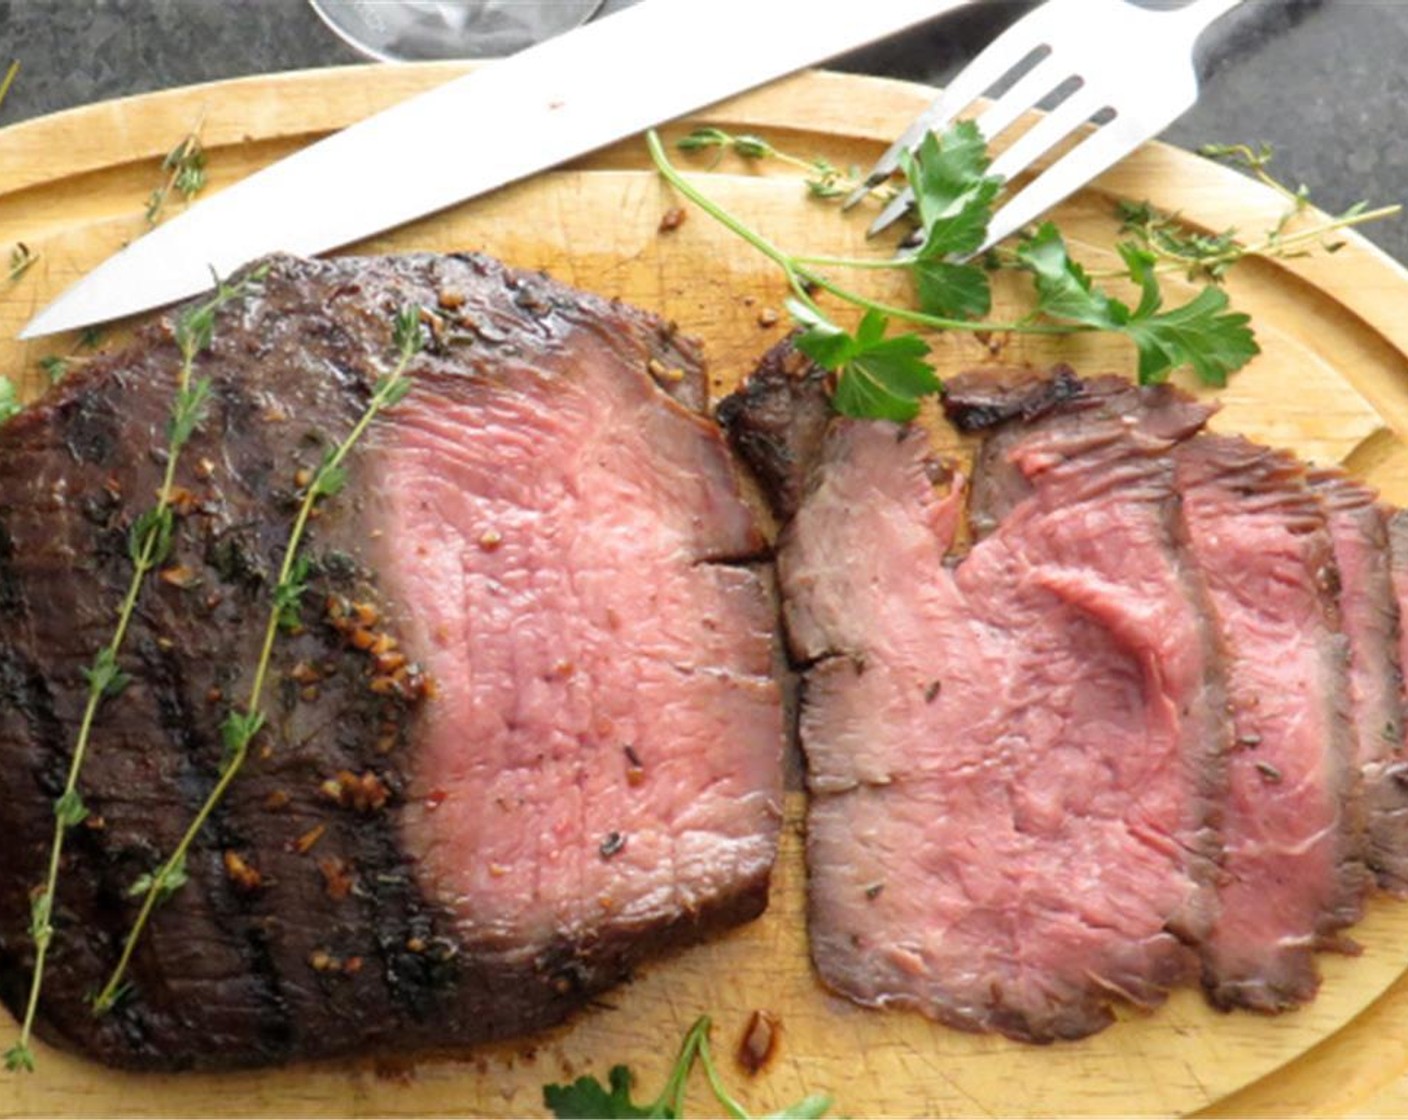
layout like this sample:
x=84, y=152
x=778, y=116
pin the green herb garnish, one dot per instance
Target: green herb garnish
x=56, y=366
x=588, y=1099
x=823, y=178
x=1201, y=334
x=882, y=367
x=149, y=542
x=22, y=259
x=242, y=726
x=183, y=173
x=9, y=399
x=1203, y=256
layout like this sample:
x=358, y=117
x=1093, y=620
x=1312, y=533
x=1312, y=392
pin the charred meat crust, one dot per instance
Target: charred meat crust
x=303, y=932
x=976, y=402
x=776, y=422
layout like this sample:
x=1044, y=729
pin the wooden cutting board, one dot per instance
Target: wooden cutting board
x=1332, y=383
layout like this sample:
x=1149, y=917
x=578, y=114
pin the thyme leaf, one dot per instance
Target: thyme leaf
x=149, y=538
x=165, y=881
x=237, y=732
x=239, y=728
x=40, y=911
x=70, y=810
x=824, y=179
x=55, y=367
x=288, y=595
x=105, y=678
x=330, y=478
x=188, y=412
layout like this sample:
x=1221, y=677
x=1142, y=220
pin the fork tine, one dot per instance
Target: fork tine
x=1049, y=131
x=993, y=63
x=1025, y=94
x=1109, y=144
x=995, y=120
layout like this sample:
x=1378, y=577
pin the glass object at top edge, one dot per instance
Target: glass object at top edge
x=425, y=30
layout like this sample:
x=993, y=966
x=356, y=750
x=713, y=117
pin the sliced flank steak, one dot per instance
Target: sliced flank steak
x=1013, y=759
x=1291, y=874
x=1358, y=523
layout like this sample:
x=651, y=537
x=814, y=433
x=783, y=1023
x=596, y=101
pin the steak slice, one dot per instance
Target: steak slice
x=1291, y=876
x=1390, y=817
x=1012, y=759
x=1369, y=616
x=525, y=736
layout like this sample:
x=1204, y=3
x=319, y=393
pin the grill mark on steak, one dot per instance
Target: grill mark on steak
x=926, y=800
x=1291, y=876
x=1358, y=524
x=337, y=939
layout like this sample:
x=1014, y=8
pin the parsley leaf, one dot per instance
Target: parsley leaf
x=588, y=1099
x=1064, y=289
x=880, y=378
x=954, y=198
x=950, y=290
x=1201, y=334
x=953, y=195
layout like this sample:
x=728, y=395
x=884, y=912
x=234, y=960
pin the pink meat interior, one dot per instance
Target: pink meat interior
x=1009, y=813
x=604, y=743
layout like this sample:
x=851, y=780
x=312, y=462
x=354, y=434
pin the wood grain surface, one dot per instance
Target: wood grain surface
x=1332, y=383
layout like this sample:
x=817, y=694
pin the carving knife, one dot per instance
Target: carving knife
x=611, y=78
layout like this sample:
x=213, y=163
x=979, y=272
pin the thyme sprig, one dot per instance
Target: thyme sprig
x=184, y=174
x=823, y=178
x=242, y=725
x=1207, y=257
x=149, y=542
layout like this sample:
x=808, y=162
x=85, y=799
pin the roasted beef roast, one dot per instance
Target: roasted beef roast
x=524, y=735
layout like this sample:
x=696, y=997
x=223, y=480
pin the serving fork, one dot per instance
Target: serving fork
x=1126, y=70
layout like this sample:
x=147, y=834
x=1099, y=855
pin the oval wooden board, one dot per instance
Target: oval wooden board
x=1332, y=383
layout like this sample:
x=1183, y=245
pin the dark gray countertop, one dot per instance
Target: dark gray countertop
x=1323, y=81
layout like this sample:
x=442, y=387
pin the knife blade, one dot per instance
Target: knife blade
x=502, y=122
